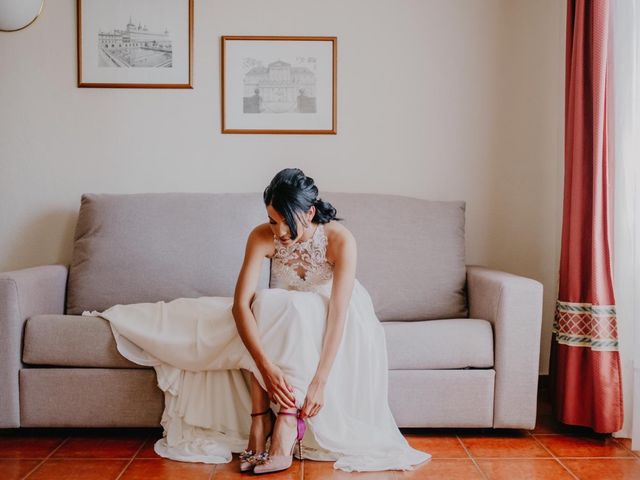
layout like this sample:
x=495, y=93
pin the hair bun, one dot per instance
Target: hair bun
x=307, y=182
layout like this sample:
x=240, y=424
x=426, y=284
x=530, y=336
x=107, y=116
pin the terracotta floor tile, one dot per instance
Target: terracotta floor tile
x=101, y=445
x=78, y=469
x=28, y=446
x=523, y=469
x=438, y=445
x=315, y=470
x=147, y=448
x=604, y=468
x=16, y=469
x=443, y=468
x=231, y=471
x=164, y=469
x=626, y=442
x=574, y=446
x=507, y=444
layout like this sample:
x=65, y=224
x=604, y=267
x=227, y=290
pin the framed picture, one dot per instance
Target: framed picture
x=135, y=43
x=278, y=84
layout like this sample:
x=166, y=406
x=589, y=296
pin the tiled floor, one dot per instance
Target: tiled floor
x=549, y=451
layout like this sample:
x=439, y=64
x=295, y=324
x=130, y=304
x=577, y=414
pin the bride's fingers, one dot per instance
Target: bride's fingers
x=288, y=393
x=284, y=399
x=289, y=390
x=280, y=400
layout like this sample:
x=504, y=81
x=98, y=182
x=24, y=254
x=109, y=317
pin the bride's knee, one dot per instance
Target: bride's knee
x=275, y=297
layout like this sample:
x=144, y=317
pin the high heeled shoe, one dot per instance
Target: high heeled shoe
x=275, y=463
x=248, y=457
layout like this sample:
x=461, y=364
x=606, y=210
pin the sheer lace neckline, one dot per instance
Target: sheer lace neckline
x=303, y=242
x=307, y=258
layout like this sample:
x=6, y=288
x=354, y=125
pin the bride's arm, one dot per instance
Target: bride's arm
x=255, y=252
x=344, y=272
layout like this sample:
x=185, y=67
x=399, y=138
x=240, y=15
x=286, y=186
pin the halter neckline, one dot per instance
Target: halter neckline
x=303, y=242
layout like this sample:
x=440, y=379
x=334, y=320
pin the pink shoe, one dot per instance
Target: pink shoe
x=248, y=457
x=282, y=462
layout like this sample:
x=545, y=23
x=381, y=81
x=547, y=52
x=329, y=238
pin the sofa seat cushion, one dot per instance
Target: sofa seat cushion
x=84, y=341
x=439, y=344
x=72, y=341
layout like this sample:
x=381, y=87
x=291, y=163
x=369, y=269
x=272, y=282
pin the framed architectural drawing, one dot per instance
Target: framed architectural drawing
x=278, y=84
x=135, y=43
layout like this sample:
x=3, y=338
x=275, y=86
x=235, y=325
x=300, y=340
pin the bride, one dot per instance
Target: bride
x=311, y=343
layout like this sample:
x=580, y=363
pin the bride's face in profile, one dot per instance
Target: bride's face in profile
x=280, y=228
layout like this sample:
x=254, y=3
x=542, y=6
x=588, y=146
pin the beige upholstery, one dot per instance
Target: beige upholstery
x=77, y=341
x=439, y=344
x=23, y=293
x=463, y=341
x=160, y=246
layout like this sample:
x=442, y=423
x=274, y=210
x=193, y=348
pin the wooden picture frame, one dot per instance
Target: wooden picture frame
x=278, y=84
x=116, y=53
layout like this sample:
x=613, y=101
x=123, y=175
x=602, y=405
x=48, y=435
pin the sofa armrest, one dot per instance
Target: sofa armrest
x=23, y=293
x=513, y=305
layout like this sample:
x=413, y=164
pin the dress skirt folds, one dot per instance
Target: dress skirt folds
x=194, y=347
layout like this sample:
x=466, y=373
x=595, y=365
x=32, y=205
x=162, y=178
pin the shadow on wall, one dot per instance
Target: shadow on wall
x=46, y=239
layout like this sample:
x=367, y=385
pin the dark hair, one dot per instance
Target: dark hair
x=291, y=193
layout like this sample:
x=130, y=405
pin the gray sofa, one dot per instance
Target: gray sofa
x=463, y=341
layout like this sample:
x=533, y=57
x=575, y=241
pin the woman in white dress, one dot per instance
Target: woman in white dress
x=311, y=252
x=312, y=343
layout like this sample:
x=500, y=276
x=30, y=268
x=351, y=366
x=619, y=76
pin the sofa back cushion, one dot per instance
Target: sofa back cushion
x=411, y=254
x=147, y=247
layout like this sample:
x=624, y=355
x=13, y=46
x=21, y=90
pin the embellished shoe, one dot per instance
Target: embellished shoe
x=274, y=463
x=248, y=457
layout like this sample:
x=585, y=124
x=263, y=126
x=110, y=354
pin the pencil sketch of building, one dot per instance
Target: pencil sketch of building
x=279, y=88
x=135, y=46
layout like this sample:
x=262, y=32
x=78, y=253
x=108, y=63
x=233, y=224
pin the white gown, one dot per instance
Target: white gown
x=194, y=346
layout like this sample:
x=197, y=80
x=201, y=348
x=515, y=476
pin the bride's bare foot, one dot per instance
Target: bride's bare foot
x=284, y=434
x=261, y=426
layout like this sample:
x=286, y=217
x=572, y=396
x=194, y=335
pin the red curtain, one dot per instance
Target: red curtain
x=585, y=381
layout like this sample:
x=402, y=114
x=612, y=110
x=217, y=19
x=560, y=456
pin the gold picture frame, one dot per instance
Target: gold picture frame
x=278, y=84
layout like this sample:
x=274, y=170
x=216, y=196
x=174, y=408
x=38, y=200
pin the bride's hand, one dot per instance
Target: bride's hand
x=314, y=400
x=278, y=387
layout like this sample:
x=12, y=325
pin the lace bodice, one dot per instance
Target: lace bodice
x=301, y=265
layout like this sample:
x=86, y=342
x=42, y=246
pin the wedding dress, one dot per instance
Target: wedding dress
x=194, y=346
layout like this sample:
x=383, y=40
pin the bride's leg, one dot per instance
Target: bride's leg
x=261, y=425
x=259, y=397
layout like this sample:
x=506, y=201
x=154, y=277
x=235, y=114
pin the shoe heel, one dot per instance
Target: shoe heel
x=301, y=429
x=284, y=462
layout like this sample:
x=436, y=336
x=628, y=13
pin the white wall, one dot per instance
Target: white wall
x=446, y=100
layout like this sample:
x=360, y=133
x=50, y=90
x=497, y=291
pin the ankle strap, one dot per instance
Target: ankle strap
x=261, y=413
x=295, y=414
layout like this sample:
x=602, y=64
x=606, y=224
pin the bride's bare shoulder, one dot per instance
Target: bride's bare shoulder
x=335, y=228
x=338, y=236
x=261, y=237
